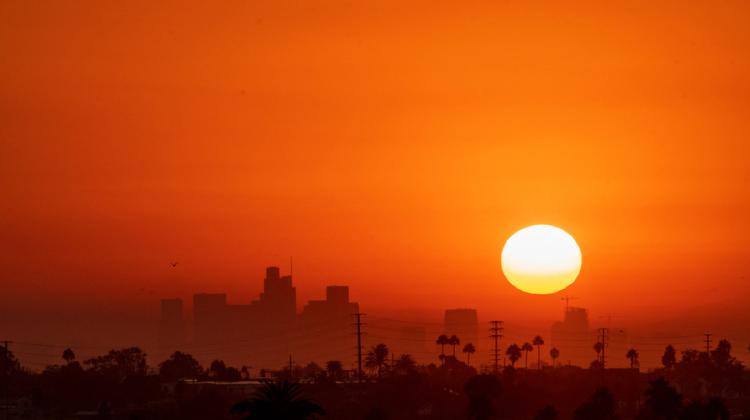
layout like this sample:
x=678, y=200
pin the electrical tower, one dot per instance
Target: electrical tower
x=604, y=339
x=358, y=323
x=496, y=329
x=708, y=343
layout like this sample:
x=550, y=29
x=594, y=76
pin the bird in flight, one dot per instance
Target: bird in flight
x=173, y=264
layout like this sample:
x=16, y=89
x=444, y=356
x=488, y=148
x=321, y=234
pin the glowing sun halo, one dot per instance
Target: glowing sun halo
x=541, y=259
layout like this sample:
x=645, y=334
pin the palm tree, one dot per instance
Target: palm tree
x=632, y=354
x=469, y=349
x=598, y=347
x=377, y=357
x=514, y=353
x=278, y=400
x=441, y=341
x=526, y=348
x=454, y=341
x=554, y=353
x=68, y=356
x=538, y=342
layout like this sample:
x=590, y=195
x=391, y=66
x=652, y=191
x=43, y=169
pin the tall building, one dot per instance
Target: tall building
x=464, y=324
x=325, y=326
x=171, y=325
x=210, y=318
x=278, y=301
x=267, y=330
x=574, y=338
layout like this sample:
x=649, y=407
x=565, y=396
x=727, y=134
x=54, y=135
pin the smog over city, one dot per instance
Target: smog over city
x=374, y=210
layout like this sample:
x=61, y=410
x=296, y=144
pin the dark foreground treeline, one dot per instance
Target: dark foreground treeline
x=121, y=385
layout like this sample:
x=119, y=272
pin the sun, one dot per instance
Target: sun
x=541, y=259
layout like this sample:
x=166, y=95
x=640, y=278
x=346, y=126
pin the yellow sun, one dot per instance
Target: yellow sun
x=541, y=259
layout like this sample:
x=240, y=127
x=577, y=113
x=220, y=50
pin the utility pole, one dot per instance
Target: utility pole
x=291, y=367
x=603, y=338
x=496, y=329
x=358, y=316
x=708, y=343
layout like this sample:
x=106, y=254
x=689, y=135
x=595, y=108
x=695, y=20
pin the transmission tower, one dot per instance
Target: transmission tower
x=708, y=343
x=496, y=329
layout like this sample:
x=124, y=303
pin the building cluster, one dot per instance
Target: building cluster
x=267, y=330
x=575, y=339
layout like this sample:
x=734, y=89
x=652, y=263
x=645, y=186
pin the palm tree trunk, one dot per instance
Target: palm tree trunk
x=468, y=358
x=526, y=360
x=539, y=357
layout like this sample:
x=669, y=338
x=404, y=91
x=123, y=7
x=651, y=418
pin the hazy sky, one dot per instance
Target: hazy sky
x=391, y=146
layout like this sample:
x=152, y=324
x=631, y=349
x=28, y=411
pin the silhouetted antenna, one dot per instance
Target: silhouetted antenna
x=708, y=343
x=496, y=329
x=567, y=300
x=358, y=316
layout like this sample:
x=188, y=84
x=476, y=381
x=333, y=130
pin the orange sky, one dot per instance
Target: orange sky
x=391, y=146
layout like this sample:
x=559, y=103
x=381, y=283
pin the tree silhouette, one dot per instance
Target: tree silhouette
x=482, y=392
x=514, y=353
x=669, y=358
x=547, y=412
x=632, y=355
x=554, y=353
x=713, y=409
x=442, y=341
x=454, y=341
x=180, y=366
x=405, y=364
x=68, y=356
x=377, y=358
x=601, y=406
x=334, y=369
x=662, y=400
x=119, y=364
x=538, y=342
x=217, y=369
x=722, y=355
x=278, y=400
x=8, y=362
x=312, y=370
x=469, y=349
x=526, y=348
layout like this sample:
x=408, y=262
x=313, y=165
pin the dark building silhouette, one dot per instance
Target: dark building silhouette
x=171, y=325
x=209, y=318
x=574, y=337
x=278, y=301
x=326, y=328
x=267, y=330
